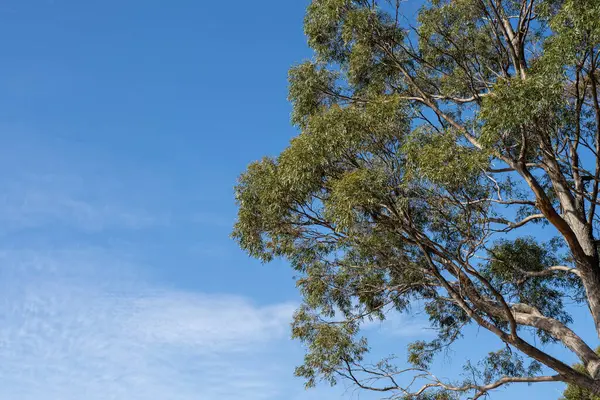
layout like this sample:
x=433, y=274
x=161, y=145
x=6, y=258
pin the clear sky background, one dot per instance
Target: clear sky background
x=123, y=127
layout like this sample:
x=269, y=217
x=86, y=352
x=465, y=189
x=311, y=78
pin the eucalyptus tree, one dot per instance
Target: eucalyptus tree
x=448, y=154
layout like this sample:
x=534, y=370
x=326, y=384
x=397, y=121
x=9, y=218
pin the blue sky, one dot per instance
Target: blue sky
x=123, y=127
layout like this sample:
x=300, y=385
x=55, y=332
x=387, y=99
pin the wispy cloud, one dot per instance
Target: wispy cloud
x=212, y=323
x=71, y=339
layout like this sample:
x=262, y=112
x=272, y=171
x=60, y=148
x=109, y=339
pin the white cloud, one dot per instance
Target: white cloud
x=62, y=336
x=209, y=322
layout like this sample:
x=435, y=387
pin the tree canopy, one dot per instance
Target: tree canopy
x=450, y=158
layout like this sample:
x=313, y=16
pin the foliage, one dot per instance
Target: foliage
x=434, y=154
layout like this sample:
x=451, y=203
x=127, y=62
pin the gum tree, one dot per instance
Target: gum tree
x=450, y=157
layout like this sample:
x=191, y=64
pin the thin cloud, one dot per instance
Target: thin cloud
x=71, y=339
x=213, y=323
